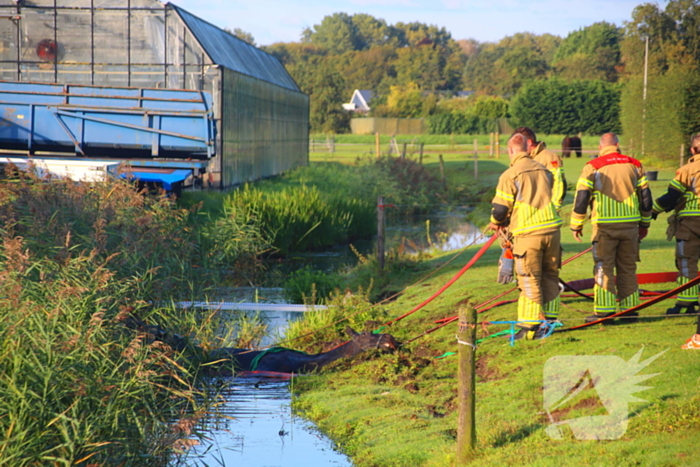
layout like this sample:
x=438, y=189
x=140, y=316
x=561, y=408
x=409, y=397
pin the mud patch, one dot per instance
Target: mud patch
x=486, y=370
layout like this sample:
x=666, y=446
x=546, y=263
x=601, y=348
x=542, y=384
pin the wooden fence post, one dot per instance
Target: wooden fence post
x=442, y=172
x=491, y=143
x=466, y=376
x=420, y=159
x=380, y=232
x=376, y=144
x=682, y=154
x=403, y=153
x=476, y=159
x=498, y=145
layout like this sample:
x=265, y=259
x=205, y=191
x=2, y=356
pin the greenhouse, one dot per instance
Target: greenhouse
x=262, y=117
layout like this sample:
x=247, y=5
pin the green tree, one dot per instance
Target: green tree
x=405, y=101
x=592, y=52
x=336, y=33
x=326, y=94
x=502, y=68
x=371, y=32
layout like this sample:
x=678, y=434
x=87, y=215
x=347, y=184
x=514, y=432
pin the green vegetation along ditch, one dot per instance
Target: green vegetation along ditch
x=401, y=410
x=81, y=388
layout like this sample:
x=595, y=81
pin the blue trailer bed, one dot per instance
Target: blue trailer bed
x=99, y=121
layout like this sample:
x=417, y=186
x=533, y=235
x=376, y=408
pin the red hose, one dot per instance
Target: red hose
x=641, y=306
x=459, y=274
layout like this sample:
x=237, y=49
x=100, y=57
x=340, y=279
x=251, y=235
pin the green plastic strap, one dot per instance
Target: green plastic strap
x=379, y=330
x=445, y=355
x=506, y=332
x=498, y=334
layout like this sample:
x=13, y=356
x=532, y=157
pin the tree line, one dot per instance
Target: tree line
x=587, y=82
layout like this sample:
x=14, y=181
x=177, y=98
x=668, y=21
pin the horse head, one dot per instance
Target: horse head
x=368, y=340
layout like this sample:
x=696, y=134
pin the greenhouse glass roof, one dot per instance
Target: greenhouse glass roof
x=237, y=55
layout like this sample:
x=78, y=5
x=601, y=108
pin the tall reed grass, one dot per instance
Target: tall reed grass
x=302, y=218
x=322, y=205
x=78, y=387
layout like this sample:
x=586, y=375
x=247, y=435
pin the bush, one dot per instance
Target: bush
x=667, y=119
x=299, y=218
x=308, y=285
x=556, y=106
x=459, y=124
x=60, y=220
x=78, y=386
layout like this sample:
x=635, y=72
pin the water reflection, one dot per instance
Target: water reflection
x=254, y=426
x=444, y=231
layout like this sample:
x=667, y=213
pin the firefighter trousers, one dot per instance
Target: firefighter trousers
x=537, y=263
x=615, y=250
x=687, y=256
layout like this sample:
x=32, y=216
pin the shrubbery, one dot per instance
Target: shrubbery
x=308, y=285
x=295, y=214
x=658, y=126
x=474, y=115
x=556, y=106
x=78, y=387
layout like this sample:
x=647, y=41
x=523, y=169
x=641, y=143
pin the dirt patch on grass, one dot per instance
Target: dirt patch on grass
x=423, y=351
x=486, y=370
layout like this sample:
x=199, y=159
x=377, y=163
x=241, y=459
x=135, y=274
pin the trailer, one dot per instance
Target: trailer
x=162, y=136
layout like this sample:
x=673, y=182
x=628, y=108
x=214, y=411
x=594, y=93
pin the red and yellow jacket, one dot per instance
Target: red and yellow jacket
x=616, y=188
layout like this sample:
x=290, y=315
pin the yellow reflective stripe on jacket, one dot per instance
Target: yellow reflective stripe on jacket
x=558, y=187
x=642, y=181
x=677, y=185
x=531, y=219
x=586, y=183
x=505, y=196
x=691, y=206
x=657, y=207
x=609, y=211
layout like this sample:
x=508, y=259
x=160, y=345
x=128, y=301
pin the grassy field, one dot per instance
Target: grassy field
x=401, y=410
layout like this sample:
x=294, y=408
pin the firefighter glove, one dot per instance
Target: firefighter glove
x=505, y=267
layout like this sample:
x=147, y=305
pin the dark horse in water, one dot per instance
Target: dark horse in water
x=279, y=360
x=283, y=360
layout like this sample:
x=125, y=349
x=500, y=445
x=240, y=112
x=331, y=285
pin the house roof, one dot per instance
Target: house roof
x=366, y=95
x=233, y=53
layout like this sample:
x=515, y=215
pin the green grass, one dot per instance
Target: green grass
x=401, y=410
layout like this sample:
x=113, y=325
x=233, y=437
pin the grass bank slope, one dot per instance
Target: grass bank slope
x=401, y=410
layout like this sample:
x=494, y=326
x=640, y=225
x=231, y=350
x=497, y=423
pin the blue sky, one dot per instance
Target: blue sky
x=484, y=20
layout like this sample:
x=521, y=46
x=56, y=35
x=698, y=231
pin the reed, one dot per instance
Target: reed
x=79, y=387
x=301, y=218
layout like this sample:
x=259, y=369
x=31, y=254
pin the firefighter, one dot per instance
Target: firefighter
x=550, y=159
x=523, y=202
x=683, y=196
x=615, y=187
